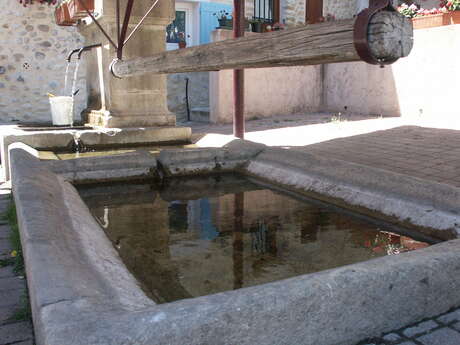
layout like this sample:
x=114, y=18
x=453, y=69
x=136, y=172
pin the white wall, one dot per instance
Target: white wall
x=426, y=82
x=268, y=91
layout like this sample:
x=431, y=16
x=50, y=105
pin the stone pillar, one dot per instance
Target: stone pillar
x=131, y=102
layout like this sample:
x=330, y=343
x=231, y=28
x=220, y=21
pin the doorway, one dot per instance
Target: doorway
x=184, y=25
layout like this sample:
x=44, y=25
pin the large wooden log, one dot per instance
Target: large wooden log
x=389, y=35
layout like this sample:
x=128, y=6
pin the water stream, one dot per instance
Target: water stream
x=66, y=76
x=74, y=83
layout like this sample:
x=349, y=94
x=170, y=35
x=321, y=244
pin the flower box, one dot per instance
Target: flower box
x=434, y=20
x=77, y=8
x=62, y=16
x=225, y=23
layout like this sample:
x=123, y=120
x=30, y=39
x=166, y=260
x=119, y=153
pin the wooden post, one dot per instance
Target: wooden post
x=390, y=36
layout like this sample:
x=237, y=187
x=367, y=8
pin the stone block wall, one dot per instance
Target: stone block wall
x=342, y=9
x=32, y=62
x=293, y=12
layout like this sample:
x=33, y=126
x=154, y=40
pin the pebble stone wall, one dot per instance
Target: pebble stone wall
x=33, y=50
x=293, y=11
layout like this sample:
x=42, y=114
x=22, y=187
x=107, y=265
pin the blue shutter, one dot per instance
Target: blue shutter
x=208, y=21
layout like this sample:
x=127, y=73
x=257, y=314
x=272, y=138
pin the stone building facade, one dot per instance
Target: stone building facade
x=33, y=52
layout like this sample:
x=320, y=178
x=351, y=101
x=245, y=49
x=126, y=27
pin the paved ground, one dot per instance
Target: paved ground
x=12, y=290
x=416, y=147
x=422, y=148
x=441, y=330
x=427, y=153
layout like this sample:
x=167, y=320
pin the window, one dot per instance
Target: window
x=176, y=27
x=267, y=11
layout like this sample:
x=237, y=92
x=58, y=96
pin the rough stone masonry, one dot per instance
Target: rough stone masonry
x=33, y=50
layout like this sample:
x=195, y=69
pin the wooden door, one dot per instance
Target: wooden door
x=313, y=11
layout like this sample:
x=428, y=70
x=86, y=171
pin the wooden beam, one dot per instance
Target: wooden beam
x=390, y=36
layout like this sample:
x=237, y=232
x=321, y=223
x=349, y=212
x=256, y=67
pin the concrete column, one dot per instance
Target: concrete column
x=136, y=101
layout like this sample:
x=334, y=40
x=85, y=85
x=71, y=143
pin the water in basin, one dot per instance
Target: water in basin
x=154, y=149
x=200, y=236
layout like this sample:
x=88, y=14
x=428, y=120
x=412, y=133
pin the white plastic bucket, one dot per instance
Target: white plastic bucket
x=62, y=110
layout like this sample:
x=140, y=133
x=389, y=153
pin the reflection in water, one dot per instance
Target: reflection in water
x=210, y=235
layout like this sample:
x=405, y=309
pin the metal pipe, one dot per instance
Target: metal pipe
x=238, y=74
x=118, y=22
x=69, y=57
x=140, y=22
x=187, y=99
x=260, y=9
x=86, y=48
x=265, y=5
x=124, y=28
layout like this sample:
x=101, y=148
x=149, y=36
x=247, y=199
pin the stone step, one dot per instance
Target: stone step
x=199, y=114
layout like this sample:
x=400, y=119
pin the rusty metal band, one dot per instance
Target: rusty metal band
x=124, y=29
x=360, y=33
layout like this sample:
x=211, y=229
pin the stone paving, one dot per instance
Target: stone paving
x=422, y=148
x=441, y=330
x=12, y=290
x=427, y=153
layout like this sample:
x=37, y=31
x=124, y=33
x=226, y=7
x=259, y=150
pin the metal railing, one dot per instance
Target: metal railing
x=263, y=11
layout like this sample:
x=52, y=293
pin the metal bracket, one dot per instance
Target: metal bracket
x=123, y=30
x=360, y=34
x=114, y=61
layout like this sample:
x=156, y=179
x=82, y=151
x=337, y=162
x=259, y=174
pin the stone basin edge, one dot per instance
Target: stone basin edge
x=81, y=293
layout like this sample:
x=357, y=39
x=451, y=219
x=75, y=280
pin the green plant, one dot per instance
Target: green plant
x=451, y=5
x=16, y=259
x=24, y=313
x=408, y=11
x=222, y=14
